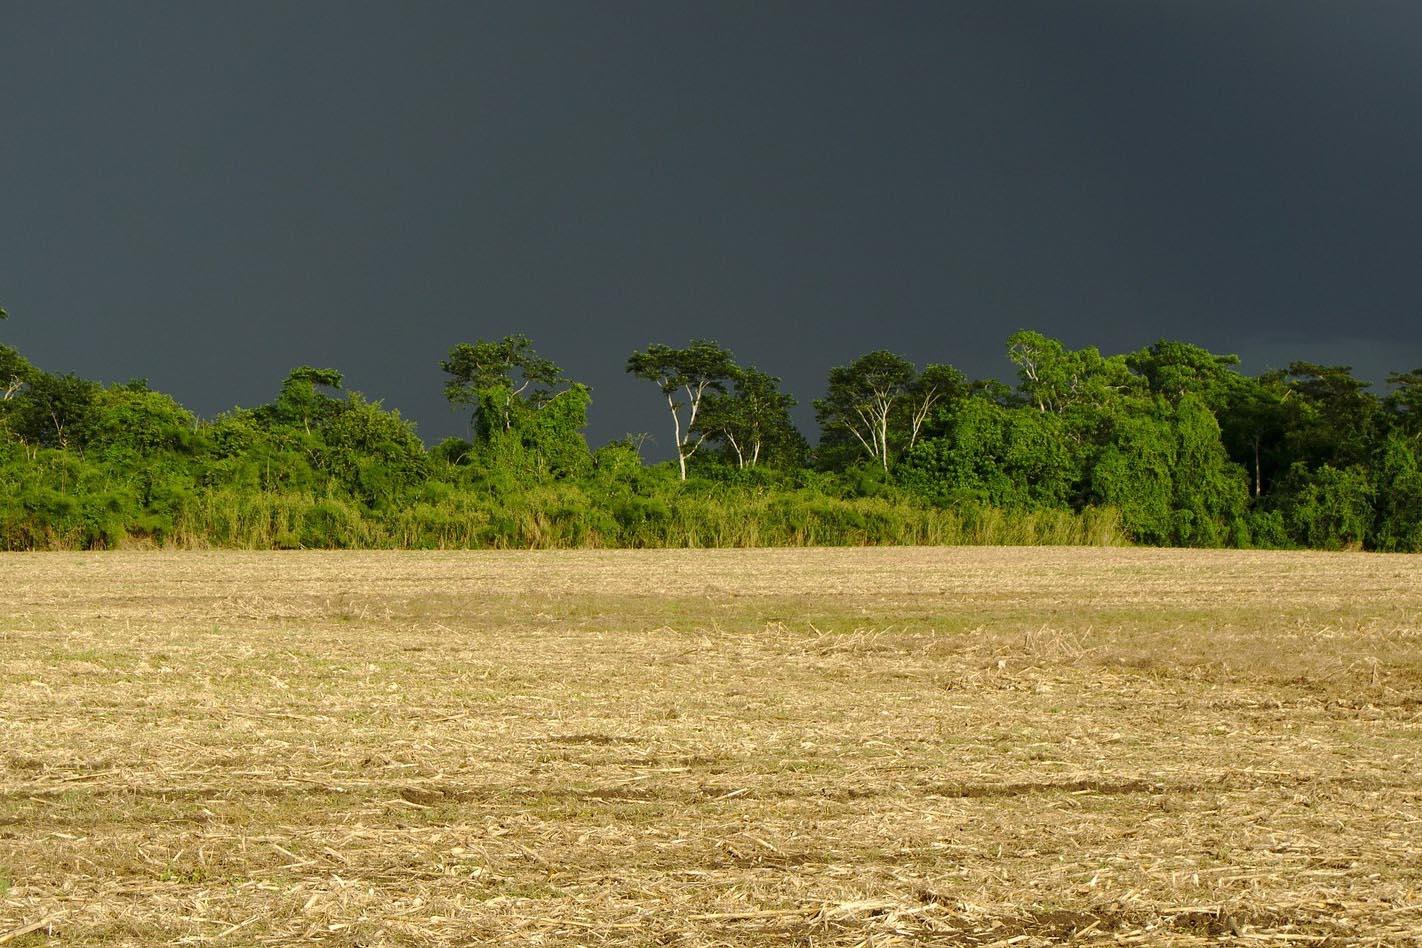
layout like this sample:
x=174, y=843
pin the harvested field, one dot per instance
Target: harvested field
x=811, y=747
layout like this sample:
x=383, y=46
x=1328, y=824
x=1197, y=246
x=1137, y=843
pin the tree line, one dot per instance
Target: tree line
x=1170, y=445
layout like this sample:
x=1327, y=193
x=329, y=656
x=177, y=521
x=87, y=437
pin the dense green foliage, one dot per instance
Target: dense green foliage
x=1169, y=445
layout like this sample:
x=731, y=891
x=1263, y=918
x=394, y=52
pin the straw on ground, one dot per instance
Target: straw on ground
x=979, y=746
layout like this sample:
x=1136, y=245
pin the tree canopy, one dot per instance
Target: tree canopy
x=685, y=376
x=1171, y=444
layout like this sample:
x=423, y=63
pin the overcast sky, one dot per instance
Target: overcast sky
x=207, y=194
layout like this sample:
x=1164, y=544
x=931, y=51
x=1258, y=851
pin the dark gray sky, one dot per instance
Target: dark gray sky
x=207, y=194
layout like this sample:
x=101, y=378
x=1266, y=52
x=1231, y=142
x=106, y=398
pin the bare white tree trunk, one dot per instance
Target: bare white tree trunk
x=684, y=446
x=871, y=448
x=920, y=414
x=735, y=446
x=884, y=434
x=676, y=427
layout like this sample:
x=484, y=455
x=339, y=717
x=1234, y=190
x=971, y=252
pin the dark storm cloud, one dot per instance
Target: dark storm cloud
x=207, y=194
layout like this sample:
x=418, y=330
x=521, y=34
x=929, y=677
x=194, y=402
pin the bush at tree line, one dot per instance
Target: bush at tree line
x=1170, y=445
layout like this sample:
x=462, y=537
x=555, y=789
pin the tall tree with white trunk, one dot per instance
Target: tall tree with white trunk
x=753, y=419
x=685, y=377
x=863, y=399
x=497, y=377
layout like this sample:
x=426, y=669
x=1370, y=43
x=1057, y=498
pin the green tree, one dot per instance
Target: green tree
x=528, y=418
x=864, y=400
x=1404, y=402
x=496, y=377
x=1174, y=370
x=1398, y=490
x=15, y=372
x=752, y=420
x=1254, y=423
x=685, y=377
x=1054, y=378
x=936, y=388
x=55, y=411
x=1135, y=474
x=301, y=400
x=132, y=417
x=996, y=455
x=1328, y=508
x=1334, y=416
x=540, y=442
x=373, y=453
x=1164, y=467
x=1210, y=496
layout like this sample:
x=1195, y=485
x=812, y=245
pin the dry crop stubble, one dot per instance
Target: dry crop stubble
x=710, y=747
